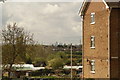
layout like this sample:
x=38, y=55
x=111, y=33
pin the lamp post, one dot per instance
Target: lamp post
x=71, y=61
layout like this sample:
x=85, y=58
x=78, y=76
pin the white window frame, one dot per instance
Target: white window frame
x=92, y=16
x=92, y=63
x=92, y=42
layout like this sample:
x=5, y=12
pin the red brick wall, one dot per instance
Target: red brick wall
x=100, y=31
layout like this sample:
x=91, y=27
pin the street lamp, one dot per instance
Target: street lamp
x=71, y=61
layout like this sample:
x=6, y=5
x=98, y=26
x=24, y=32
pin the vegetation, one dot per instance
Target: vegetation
x=40, y=62
x=19, y=47
x=16, y=43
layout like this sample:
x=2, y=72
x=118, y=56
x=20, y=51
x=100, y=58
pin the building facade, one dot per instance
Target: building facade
x=101, y=39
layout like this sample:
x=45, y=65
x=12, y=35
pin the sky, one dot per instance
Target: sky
x=50, y=22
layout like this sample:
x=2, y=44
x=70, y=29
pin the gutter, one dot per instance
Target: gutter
x=82, y=17
x=109, y=43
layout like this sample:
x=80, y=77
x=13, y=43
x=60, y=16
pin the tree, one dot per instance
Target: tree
x=57, y=60
x=40, y=62
x=15, y=42
x=2, y=1
x=56, y=63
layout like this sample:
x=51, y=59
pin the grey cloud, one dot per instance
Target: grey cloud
x=48, y=21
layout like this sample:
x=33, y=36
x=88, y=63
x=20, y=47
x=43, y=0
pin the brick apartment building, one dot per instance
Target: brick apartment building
x=101, y=39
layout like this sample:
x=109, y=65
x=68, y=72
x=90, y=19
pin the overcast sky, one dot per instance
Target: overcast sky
x=50, y=22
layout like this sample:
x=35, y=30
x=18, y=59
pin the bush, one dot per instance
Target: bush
x=56, y=63
x=40, y=62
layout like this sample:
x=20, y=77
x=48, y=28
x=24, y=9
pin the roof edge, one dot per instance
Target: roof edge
x=85, y=3
x=105, y=4
x=81, y=9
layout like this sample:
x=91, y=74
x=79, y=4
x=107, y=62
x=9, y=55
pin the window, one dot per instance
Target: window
x=92, y=63
x=92, y=43
x=92, y=18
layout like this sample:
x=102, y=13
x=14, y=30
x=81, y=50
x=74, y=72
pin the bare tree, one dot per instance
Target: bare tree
x=15, y=42
x=2, y=1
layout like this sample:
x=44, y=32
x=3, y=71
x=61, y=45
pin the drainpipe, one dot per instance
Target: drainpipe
x=82, y=19
x=109, y=42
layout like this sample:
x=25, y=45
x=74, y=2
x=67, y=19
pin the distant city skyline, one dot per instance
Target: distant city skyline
x=50, y=22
